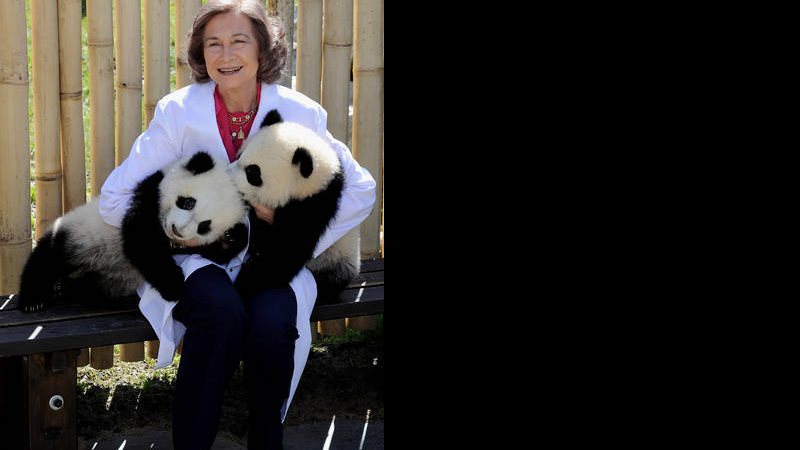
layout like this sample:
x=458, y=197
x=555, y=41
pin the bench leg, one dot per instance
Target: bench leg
x=12, y=412
x=51, y=380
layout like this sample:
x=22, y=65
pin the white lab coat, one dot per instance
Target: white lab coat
x=184, y=122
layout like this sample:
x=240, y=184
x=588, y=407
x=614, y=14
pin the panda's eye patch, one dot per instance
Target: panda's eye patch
x=204, y=227
x=186, y=203
x=253, y=173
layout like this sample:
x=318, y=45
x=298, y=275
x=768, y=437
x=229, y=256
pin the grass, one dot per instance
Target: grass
x=343, y=376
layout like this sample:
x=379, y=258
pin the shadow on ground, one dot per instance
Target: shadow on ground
x=343, y=378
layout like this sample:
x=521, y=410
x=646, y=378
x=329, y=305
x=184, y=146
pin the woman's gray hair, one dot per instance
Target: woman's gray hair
x=268, y=31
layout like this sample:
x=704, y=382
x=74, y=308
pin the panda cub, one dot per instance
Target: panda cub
x=82, y=258
x=291, y=169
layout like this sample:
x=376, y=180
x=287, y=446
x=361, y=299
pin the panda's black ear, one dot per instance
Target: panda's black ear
x=272, y=118
x=200, y=162
x=303, y=158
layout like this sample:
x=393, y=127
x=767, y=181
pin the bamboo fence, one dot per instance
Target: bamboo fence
x=337, y=46
x=46, y=113
x=72, y=146
x=124, y=89
x=100, y=40
x=15, y=198
x=309, y=47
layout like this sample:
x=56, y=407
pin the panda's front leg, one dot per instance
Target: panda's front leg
x=168, y=280
x=145, y=244
x=40, y=275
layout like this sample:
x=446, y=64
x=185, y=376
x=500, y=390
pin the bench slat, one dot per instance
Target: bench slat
x=371, y=265
x=75, y=333
x=63, y=312
x=373, y=277
x=370, y=302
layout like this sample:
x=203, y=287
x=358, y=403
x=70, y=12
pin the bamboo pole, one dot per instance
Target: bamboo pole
x=102, y=357
x=46, y=113
x=309, y=62
x=128, y=75
x=128, y=102
x=336, y=47
x=156, y=75
x=309, y=48
x=15, y=172
x=72, y=146
x=368, y=122
x=185, y=10
x=156, y=54
x=368, y=109
x=100, y=41
x=285, y=10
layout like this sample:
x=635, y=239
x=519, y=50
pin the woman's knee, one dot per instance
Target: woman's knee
x=211, y=299
x=273, y=318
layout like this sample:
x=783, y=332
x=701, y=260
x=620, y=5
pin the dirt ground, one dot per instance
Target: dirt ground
x=343, y=377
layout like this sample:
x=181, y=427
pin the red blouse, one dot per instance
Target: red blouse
x=230, y=124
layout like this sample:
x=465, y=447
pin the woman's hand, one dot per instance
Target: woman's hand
x=194, y=242
x=265, y=213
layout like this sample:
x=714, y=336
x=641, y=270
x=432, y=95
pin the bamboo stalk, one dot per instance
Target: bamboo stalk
x=335, y=327
x=46, y=113
x=102, y=357
x=335, y=94
x=185, y=10
x=368, y=110
x=15, y=198
x=131, y=352
x=285, y=10
x=156, y=76
x=336, y=48
x=100, y=41
x=151, y=348
x=156, y=54
x=72, y=146
x=128, y=76
x=128, y=102
x=309, y=48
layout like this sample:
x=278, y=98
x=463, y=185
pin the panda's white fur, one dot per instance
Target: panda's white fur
x=216, y=197
x=92, y=261
x=94, y=247
x=272, y=149
x=290, y=168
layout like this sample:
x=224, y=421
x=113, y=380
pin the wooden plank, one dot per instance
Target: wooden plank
x=60, y=313
x=50, y=375
x=371, y=273
x=371, y=265
x=370, y=302
x=76, y=326
x=76, y=333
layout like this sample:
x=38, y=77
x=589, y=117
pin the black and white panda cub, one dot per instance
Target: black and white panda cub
x=82, y=258
x=290, y=168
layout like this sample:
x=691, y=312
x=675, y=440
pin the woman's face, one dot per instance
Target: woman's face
x=231, y=51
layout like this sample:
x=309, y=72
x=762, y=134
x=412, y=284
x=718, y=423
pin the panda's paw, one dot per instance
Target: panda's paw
x=30, y=306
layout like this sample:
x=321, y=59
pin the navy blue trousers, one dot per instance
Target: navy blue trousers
x=223, y=329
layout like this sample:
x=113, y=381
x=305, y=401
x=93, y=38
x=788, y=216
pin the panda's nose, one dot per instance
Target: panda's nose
x=175, y=231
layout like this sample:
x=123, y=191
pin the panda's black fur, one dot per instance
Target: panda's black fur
x=83, y=259
x=289, y=168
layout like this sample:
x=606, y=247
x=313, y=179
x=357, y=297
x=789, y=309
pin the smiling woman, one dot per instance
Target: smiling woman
x=237, y=54
x=231, y=53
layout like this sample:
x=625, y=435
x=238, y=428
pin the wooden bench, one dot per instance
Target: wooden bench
x=38, y=351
